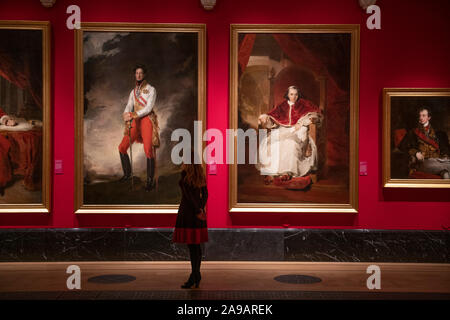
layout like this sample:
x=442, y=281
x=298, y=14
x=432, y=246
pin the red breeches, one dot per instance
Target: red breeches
x=141, y=132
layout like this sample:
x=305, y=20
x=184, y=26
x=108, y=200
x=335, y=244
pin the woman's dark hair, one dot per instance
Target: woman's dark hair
x=425, y=108
x=140, y=66
x=195, y=175
x=294, y=88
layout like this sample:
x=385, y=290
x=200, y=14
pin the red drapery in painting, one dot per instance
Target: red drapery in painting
x=245, y=50
x=18, y=73
x=301, y=55
x=25, y=154
x=21, y=61
x=5, y=166
x=337, y=107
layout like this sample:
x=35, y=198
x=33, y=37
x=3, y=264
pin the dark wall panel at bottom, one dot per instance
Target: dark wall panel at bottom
x=324, y=245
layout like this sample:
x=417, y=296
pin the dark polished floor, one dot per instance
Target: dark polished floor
x=220, y=295
x=224, y=281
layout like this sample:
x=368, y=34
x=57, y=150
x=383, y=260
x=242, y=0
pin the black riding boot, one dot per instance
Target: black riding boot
x=150, y=174
x=126, y=167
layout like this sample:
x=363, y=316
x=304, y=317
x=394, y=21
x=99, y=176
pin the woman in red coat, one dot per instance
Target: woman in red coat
x=190, y=227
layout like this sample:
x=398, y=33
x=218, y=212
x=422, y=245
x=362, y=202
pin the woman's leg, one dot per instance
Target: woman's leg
x=199, y=258
x=192, y=277
x=197, y=261
x=195, y=252
x=193, y=256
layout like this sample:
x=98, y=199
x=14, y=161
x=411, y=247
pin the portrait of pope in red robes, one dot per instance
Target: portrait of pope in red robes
x=297, y=87
x=294, y=153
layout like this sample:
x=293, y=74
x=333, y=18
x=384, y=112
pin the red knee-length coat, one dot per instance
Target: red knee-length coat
x=188, y=228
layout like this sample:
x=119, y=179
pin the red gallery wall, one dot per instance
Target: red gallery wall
x=411, y=50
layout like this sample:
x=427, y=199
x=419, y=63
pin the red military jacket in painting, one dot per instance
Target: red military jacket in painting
x=425, y=141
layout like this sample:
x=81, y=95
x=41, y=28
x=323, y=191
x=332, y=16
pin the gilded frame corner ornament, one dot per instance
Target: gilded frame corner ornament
x=352, y=205
x=388, y=181
x=45, y=204
x=200, y=30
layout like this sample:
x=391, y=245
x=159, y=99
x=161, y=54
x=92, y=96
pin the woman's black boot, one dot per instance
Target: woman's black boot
x=197, y=278
x=188, y=284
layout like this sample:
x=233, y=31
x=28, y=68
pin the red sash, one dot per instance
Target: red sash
x=426, y=139
x=141, y=100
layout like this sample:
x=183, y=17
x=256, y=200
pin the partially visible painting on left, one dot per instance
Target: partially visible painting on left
x=24, y=116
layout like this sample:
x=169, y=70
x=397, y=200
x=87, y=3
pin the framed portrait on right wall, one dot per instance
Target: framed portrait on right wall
x=416, y=130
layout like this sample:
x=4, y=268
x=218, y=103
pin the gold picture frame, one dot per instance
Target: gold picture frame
x=199, y=30
x=350, y=205
x=44, y=205
x=406, y=102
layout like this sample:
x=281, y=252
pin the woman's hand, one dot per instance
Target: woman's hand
x=297, y=126
x=201, y=215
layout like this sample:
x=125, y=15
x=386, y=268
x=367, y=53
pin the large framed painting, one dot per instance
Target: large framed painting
x=294, y=100
x=135, y=84
x=416, y=130
x=25, y=129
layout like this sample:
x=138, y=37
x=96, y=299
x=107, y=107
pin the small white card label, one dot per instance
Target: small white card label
x=363, y=168
x=59, y=167
x=213, y=168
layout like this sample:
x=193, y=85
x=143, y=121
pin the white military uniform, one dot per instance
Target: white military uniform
x=144, y=126
x=141, y=100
